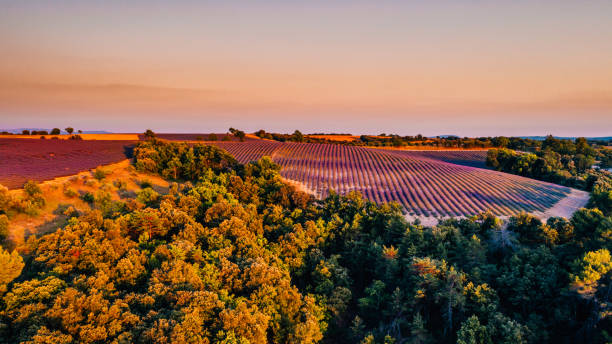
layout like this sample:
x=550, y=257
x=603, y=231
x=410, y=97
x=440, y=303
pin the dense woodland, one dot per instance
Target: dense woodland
x=231, y=254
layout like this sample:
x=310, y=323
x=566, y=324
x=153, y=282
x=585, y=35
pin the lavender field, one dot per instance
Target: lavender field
x=425, y=183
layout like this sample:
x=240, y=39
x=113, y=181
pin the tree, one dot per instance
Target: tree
x=589, y=270
x=238, y=133
x=55, y=131
x=418, y=331
x=583, y=162
x=501, y=141
x=297, y=136
x=149, y=134
x=11, y=265
x=25, y=132
x=4, y=227
x=241, y=135
x=69, y=130
x=472, y=332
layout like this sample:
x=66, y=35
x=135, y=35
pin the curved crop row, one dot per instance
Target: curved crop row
x=424, y=183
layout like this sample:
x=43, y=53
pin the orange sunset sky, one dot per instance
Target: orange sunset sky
x=405, y=67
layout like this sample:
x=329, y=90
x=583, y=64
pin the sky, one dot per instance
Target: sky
x=469, y=68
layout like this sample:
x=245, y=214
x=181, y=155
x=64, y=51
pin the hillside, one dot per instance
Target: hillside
x=424, y=183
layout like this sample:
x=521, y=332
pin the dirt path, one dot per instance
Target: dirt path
x=567, y=206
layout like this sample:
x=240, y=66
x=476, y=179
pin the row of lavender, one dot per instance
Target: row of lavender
x=424, y=183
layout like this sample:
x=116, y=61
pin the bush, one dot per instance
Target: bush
x=88, y=197
x=70, y=192
x=147, y=196
x=145, y=183
x=100, y=174
x=120, y=184
x=34, y=198
x=31, y=188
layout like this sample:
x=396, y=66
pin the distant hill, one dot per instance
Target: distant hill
x=542, y=138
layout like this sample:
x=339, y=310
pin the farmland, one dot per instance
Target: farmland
x=46, y=159
x=424, y=183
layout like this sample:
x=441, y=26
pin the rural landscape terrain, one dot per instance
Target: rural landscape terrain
x=305, y=172
x=253, y=238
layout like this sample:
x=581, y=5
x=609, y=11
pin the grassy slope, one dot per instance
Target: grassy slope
x=49, y=219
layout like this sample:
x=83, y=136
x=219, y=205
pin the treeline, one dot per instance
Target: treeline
x=390, y=140
x=54, y=131
x=231, y=254
x=297, y=136
x=384, y=140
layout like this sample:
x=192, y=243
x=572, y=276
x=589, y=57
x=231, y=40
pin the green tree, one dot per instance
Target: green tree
x=472, y=332
x=593, y=267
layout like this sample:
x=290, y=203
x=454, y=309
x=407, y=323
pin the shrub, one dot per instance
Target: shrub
x=70, y=192
x=120, y=184
x=88, y=197
x=90, y=182
x=100, y=174
x=145, y=183
x=147, y=196
x=31, y=188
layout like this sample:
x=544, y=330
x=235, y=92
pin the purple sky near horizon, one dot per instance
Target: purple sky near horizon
x=439, y=67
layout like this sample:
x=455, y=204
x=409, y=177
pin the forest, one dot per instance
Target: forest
x=232, y=254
